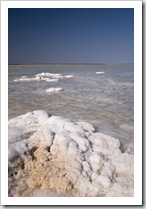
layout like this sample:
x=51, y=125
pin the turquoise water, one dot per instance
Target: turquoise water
x=104, y=100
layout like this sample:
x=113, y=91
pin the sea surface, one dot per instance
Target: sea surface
x=105, y=100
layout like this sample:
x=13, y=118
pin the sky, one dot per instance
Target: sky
x=96, y=35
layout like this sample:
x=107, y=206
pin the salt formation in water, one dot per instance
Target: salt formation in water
x=52, y=155
x=68, y=76
x=49, y=77
x=54, y=90
x=25, y=79
x=100, y=72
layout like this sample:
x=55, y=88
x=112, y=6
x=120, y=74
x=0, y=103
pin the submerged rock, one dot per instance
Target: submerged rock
x=52, y=155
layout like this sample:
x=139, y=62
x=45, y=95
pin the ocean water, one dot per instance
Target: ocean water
x=104, y=100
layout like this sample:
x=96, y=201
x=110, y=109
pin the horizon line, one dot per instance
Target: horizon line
x=71, y=63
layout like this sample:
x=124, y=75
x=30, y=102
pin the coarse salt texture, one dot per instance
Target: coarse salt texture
x=54, y=156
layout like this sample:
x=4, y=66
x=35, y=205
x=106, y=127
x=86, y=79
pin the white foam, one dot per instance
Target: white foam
x=53, y=156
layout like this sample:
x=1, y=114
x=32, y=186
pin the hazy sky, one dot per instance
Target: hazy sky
x=71, y=35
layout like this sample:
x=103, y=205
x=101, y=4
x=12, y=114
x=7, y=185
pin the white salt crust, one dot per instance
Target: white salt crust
x=49, y=77
x=54, y=156
x=54, y=90
x=100, y=72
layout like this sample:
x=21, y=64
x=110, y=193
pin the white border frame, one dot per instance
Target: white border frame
x=137, y=199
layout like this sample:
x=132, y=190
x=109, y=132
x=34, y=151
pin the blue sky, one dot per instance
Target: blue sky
x=71, y=35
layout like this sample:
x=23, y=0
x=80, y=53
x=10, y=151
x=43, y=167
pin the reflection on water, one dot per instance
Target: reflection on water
x=104, y=100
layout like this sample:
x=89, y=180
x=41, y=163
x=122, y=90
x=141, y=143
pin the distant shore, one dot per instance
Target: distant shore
x=71, y=64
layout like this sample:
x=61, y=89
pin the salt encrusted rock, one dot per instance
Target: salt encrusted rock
x=51, y=155
x=54, y=90
x=12, y=154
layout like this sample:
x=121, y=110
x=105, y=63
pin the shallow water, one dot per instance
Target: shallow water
x=104, y=100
